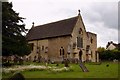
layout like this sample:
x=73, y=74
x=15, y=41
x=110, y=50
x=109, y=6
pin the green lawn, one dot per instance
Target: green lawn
x=95, y=71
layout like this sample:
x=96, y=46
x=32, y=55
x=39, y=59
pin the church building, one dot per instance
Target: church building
x=64, y=39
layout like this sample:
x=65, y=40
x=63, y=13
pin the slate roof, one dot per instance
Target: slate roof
x=54, y=29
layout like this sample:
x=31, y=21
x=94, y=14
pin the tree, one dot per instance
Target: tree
x=116, y=53
x=100, y=49
x=13, y=42
x=109, y=54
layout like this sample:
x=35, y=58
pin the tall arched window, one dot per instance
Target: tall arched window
x=80, y=38
x=62, y=51
x=80, y=42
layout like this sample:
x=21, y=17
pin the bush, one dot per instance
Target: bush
x=110, y=54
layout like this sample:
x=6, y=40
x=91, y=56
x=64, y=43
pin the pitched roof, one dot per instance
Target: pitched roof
x=90, y=33
x=55, y=29
x=116, y=45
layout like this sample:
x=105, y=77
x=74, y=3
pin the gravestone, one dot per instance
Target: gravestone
x=83, y=67
x=21, y=61
x=66, y=63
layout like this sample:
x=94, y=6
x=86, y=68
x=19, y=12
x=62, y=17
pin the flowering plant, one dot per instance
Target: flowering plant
x=34, y=68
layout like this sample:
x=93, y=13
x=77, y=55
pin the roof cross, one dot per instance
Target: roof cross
x=79, y=12
x=33, y=24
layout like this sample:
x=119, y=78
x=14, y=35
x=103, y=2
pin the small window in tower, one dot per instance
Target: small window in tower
x=91, y=54
x=42, y=48
x=91, y=40
x=80, y=31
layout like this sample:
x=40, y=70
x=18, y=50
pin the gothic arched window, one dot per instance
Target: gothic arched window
x=80, y=42
x=62, y=51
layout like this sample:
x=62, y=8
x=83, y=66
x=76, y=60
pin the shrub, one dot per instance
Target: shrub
x=110, y=54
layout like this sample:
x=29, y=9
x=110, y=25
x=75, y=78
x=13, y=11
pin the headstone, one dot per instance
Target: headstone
x=83, y=67
x=21, y=60
x=57, y=64
x=66, y=63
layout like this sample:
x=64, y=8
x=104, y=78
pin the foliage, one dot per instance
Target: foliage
x=13, y=42
x=100, y=49
x=109, y=54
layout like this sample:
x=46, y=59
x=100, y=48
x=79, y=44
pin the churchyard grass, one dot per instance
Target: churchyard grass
x=95, y=71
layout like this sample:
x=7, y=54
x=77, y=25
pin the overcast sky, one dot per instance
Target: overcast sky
x=100, y=17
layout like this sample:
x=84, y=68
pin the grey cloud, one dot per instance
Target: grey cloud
x=98, y=17
x=106, y=12
x=119, y=15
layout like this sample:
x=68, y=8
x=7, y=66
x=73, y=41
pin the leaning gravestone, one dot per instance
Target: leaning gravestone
x=83, y=67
